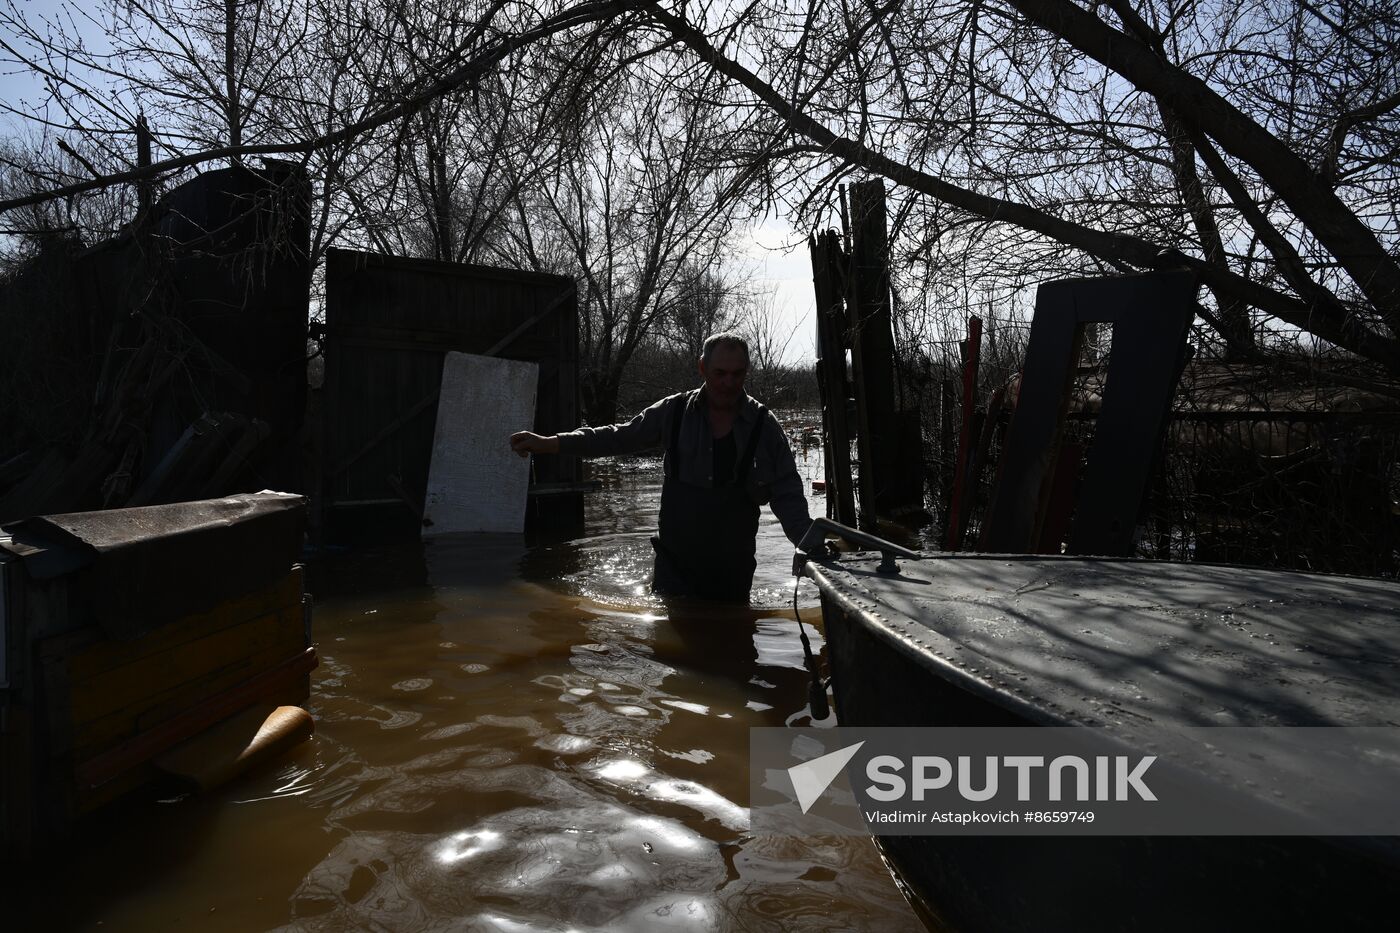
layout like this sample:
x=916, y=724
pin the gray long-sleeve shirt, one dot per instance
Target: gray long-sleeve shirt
x=774, y=465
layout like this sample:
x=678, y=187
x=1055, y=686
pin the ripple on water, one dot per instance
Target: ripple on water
x=400, y=719
x=697, y=708
x=566, y=744
x=645, y=781
x=696, y=755
x=569, y=685
x=464, y=845
x=614, y=570
x=619, y=769
x=527, y=724
x=586, y=718
x=447, y=732
x=582, y=864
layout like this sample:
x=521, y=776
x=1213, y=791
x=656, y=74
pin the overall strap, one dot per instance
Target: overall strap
x=673, y=450
x=741, y=472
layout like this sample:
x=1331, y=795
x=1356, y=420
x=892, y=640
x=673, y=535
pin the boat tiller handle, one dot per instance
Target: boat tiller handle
x=816, y=535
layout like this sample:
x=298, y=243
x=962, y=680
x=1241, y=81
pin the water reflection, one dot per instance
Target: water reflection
x=509, y=737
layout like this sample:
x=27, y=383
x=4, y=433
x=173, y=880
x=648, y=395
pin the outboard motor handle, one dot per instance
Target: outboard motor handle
x=817, y=534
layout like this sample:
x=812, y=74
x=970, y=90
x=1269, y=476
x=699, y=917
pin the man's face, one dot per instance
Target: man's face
x=724, y=374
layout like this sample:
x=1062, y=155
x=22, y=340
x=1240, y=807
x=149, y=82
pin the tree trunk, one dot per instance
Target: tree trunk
x=599, y=390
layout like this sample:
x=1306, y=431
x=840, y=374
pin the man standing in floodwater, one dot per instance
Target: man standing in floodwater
x=726, y=455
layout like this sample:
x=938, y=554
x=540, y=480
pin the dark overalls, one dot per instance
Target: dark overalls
x=705, y=544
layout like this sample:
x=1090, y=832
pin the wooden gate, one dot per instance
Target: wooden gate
x=389, y=323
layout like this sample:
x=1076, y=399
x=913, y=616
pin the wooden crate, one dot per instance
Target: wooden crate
x=86, y=707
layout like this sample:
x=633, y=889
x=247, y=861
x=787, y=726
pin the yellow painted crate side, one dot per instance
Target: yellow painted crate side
x=153, y=675
x=105, y=655
x=97, y=735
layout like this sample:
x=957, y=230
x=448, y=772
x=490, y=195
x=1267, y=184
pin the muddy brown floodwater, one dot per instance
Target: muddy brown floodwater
x=511, y=738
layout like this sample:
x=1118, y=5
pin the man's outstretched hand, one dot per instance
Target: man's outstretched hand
x=525, y=443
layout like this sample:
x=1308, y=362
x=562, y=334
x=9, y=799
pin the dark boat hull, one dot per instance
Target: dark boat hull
x=1078, y=883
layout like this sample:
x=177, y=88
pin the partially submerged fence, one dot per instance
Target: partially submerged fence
x=1312, y=490
x=1275, y=484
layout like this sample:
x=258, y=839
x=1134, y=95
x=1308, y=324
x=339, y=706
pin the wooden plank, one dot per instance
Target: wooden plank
x=102, y=731
x=947, y=457
x=1025, y=470
x=431, y=398
x=1151, y=314
x=152, y=741
x=388, y=431
x=230, y=675
x=825, y=388
x=106, y=654
x=349, y=261
x=131, y=689
x=88, y=799
x=984, y=428
x=135, y=683
x=1151, y=320
x=478, y=309
x=414, y=339
x=511, y=337
x=1059, y=509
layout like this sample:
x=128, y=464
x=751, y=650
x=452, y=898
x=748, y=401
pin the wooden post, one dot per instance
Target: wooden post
x=143, y=159
x=872, y=353
x=831, y=378
x=947, y=455
x=971, y=360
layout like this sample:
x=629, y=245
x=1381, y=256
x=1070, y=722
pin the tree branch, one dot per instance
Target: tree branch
x=471, y=70
x=1339, y=230
x=1347, y=333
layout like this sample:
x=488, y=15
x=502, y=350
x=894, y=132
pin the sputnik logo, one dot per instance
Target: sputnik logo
x=811, y=778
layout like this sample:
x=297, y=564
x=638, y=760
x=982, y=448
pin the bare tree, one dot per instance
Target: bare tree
x=769, y=337
x=704, y=301
x=645, y=212
x=1253, y=141
x=1035, y=137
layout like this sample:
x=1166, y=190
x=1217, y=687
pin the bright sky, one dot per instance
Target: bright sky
x=17, y=84
x=784, y=267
